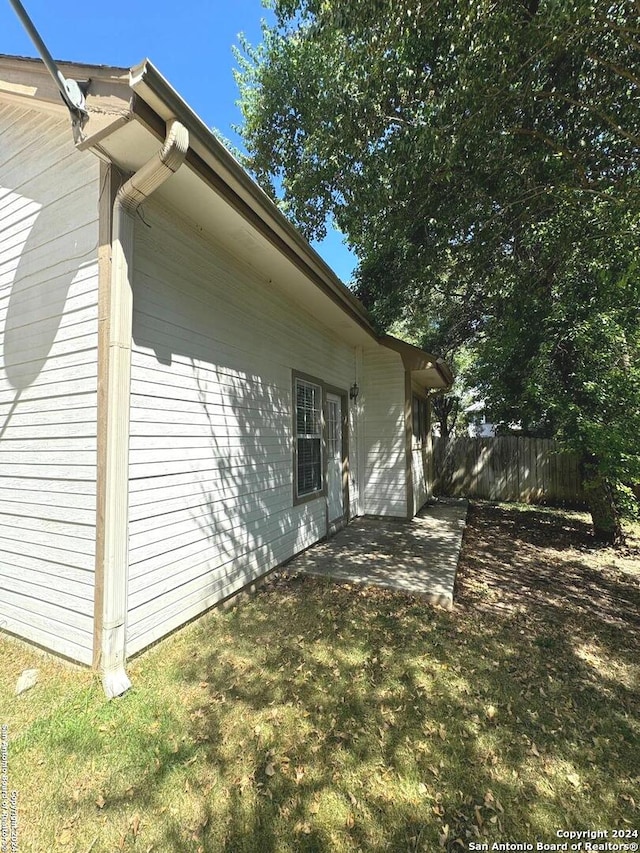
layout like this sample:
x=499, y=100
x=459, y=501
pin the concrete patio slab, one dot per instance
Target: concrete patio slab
x=418, y=556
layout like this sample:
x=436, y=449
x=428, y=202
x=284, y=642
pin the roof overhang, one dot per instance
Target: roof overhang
x=426, y=369
x=128, y=112
x=258, y=228
x=24, y=80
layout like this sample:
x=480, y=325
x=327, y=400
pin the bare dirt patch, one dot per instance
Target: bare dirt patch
x=546, y=564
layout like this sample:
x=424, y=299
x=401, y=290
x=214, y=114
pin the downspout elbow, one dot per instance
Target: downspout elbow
x=131, y=195
x=156, y=171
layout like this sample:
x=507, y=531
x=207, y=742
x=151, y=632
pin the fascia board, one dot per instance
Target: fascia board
x=148, y=84
x=418, y=360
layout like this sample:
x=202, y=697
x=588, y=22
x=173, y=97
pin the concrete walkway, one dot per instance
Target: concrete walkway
x=418, y=556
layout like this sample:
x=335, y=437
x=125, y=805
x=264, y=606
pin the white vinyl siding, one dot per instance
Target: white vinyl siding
x=48, y=334
x=385, y=491
x=211, y=451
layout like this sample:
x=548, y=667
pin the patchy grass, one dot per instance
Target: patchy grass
x=321, y=717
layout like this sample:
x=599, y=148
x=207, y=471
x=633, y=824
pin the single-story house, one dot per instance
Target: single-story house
x=188, y=395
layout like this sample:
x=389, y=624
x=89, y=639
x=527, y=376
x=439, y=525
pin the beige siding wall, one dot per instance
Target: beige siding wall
x=48, y=339
x=211, y=500
x=385, y=464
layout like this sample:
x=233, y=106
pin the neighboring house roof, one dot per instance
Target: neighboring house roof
x=128, y=111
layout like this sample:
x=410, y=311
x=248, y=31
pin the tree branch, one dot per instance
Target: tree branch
x=607, y=119
x=617, y=69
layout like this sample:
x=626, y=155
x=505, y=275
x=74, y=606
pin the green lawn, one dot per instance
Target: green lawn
x=321, y=717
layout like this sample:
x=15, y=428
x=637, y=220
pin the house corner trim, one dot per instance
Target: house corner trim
x=108, y=188
x=408, y=438
x=114, y=546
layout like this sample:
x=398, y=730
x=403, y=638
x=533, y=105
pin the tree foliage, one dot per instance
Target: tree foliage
x=482, y=160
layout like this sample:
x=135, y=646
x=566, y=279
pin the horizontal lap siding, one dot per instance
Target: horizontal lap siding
x=210, y=500
x=384, y=434
x=48, y=322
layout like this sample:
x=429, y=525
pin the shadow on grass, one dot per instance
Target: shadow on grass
x=511, y=717
x=328, y=717
x=548, y=566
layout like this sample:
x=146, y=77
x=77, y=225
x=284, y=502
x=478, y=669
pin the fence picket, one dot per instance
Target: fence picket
x=509, y=468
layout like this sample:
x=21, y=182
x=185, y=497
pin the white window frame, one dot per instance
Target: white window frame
x=317, y=433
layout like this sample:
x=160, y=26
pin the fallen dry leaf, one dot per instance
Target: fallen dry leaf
x=135, y=825
x=64, y=837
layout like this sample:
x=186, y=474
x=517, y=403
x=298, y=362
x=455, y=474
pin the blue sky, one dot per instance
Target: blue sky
x=189, y=42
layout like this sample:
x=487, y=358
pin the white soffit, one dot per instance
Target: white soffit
x=132, y=145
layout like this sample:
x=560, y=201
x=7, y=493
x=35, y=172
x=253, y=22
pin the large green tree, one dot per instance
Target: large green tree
x=482, y=159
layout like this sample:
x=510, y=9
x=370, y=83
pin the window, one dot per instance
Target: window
x=420, y=411
x=416, y=418
x=308, y=437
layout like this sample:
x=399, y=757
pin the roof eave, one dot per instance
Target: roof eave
x=418, y=360
x=151, y=87
x=112, y=104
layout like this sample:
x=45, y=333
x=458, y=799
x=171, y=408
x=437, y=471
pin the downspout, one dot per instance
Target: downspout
x=116, y=512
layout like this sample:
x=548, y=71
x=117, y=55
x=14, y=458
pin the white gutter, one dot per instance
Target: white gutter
x=116, y=521
x=152, y=88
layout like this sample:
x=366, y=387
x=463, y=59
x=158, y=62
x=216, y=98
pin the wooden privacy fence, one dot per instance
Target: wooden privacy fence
x=532, y=470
